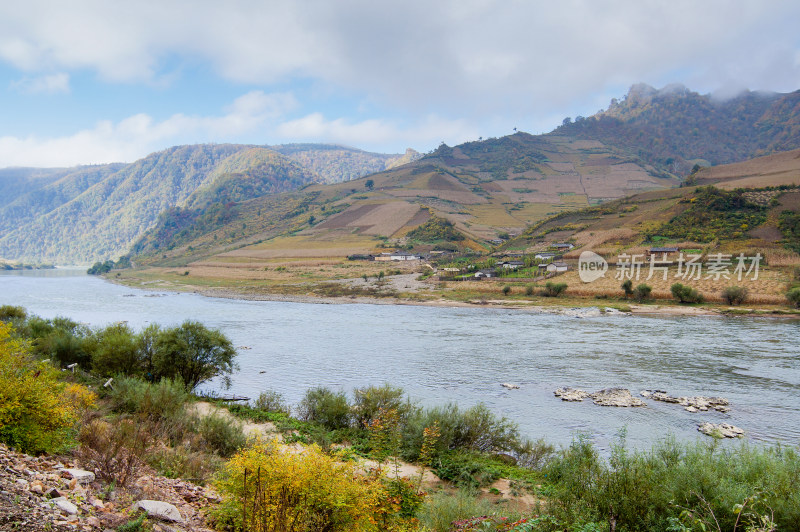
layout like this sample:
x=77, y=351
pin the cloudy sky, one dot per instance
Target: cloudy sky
x=98, y=81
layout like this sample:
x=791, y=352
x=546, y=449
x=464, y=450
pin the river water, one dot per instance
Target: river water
x=463, y=355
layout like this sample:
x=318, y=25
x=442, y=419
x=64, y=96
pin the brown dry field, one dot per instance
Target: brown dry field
x=275, y=276
x=322, y=244
x=373, y=219
x=458, y=196
x=778, y=169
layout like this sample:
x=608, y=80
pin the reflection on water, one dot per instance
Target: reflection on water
x=463, y=355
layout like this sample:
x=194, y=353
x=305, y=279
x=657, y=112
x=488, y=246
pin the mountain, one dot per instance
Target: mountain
x=497, y=187
x=84, y=214
x=674, y=128
x=749, y=207
x=335, y=164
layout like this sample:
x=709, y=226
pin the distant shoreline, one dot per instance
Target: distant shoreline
x=574, y=308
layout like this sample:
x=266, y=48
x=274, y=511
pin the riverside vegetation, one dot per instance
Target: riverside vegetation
x=146, y=418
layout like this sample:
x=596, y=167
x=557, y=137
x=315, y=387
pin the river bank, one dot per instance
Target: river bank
x=407, y=290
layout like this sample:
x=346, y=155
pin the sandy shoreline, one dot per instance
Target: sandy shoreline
x=590, y=309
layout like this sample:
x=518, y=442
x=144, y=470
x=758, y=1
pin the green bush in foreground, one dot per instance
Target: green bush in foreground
x=676, y=487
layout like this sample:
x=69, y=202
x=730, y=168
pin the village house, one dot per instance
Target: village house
x=662, y=250
x=404, y=255
x=512, y=264
x=545, y=255
x=563, y=246
x=557, y=267
x=481, y=274
x=398, y=255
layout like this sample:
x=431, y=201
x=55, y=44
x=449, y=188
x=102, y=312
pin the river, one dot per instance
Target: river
x=464, y=354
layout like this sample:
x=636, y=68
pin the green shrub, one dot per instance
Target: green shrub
x=272, y=401
x=164, y=400
x=11, y=313
x=686, y=294
x=475, y=429
x=369, y=401
x=793, y=296
x=326, y=407
x=734, y=295
x=442, y=509
x=222, y=434
x=181, y=461
x=642, y=292
x=532, y=454
x=506, y=290
x=466, y=469
x=552, y=289
x=528, y=290
x=702, y=485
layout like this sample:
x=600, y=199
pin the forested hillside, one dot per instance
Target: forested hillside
x=84, y=214
x=335, y=164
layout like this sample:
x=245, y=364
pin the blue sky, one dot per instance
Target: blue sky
x=87, y=82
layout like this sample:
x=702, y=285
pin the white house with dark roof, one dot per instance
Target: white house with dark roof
x=557, y=267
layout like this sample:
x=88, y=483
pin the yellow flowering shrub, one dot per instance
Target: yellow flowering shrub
x=287, y=489
x=36, y=413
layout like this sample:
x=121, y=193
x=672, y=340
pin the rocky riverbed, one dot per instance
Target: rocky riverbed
x=54, y=494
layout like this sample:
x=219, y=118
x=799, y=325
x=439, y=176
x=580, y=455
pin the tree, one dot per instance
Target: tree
x=552, y=289
x=194, y=354
x=793, y=296
x=117, y=351
x=642, y=292
x=627, y=286
x=734, y=295
x=369, y=184
x=686, y=294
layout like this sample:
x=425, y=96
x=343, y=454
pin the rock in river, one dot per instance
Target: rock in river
x=571, y=394
x=690, y=404
x=616, y=397
x=720, y=430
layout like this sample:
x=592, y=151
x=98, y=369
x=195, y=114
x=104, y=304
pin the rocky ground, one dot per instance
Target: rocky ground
x=55, y=494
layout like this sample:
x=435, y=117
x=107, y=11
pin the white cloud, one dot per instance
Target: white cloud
x=255, y=117
x=451, y=70
x=376, y=134
x=48, y=84
x=478, y=57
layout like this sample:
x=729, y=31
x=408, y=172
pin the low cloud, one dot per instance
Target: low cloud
x=49, y=84
x=254, y=118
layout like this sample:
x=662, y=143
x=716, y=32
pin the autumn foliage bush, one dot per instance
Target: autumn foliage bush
x=271, y=487
x=37, y=412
